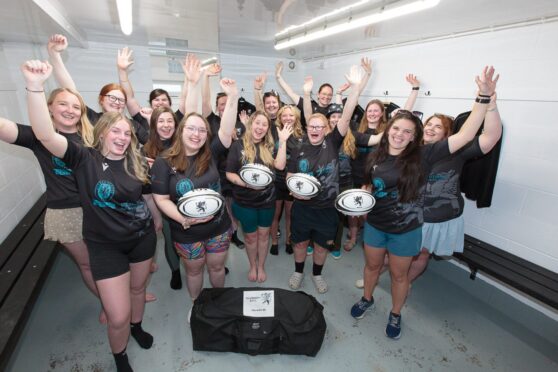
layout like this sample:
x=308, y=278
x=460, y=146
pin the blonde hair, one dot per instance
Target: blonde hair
x=349, y=142
x=266, y=145
x=133, y=158
x=84, y=127
x=298, y=132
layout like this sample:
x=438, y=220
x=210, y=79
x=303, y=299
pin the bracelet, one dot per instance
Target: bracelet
x=483, y=96
x=257, y=89
x=482, y=100
x=416, y=88
x=34, y=91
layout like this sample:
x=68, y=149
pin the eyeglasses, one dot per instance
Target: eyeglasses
x=115, y=99
x=196, y=129
x=316, y=127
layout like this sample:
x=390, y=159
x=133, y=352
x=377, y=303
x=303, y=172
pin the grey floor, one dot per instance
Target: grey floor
x=450, y=323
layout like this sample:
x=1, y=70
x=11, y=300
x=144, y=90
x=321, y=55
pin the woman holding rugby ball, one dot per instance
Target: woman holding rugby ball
x=396, y=174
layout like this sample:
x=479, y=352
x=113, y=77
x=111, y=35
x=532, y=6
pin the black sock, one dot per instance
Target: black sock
x=299, y=267
x=121, y=360
x=317, y=269
x=176, y=280
x=144, y=339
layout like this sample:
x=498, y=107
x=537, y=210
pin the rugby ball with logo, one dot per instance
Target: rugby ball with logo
x=355, y=202
x=200, y=203
x=303, y=185
x=256, y=175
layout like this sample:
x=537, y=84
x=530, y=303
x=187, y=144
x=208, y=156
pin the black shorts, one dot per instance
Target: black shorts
x=282, y=192
x=109, y=260
x=316, y=224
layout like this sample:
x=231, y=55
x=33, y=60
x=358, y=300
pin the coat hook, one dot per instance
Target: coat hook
x=386, y=93
x=427, y=93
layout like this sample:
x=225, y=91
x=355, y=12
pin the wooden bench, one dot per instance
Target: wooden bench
x=25, y=261
x=517, y=272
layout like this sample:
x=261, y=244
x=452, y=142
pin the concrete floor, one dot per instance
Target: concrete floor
x=450, y=323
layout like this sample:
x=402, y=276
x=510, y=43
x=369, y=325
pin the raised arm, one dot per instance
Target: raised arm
x=415, y=86
x=8, y=131
x=356, y=79
x=35, y=73
x=56, y=45
x=123, y=62
x=307, y=100
x=366, y=65
x=280, y=160
x=228, y=121
x=213, y=70
x=283, y=84
x=259, y=84
x=492, y=127
x=486, y=83
x=193, y=73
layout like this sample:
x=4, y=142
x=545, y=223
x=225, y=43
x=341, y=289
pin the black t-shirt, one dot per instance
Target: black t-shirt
x=316, y=108
x=141, y=125
x=292, y=144
x=61, y=187
x=443, y=200
x=141, y=128
x=345, y=170
x=113, y=207
x=389, y=215
x=320, y=161
x=358, y=164
x=245, y=196
x=167, y=181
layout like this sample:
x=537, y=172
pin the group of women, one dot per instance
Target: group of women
x=109, y=178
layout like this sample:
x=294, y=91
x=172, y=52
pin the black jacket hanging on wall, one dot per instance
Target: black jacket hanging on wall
x=479, y=175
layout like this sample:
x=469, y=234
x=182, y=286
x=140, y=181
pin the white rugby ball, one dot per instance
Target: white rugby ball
x=303, y=185
x=200, y=203
x=355, y=202
x=256, y=175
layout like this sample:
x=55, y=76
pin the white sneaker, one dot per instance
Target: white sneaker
x=295, y=281
x=359, y=283
x=319, y=283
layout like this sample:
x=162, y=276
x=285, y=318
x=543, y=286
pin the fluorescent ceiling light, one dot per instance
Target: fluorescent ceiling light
x=348, y=21
x=125, y=15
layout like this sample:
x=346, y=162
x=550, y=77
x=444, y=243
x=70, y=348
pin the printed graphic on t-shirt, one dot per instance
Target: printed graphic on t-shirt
x=183, y=186
x=60, y=168
x=444, y=185
x=104, y=193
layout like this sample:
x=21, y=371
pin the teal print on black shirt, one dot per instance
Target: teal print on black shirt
x=183, y=186
x=60, y=168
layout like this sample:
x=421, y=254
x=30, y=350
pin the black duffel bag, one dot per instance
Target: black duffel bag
x=218, y=324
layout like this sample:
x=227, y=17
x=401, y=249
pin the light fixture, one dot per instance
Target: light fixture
x=125, y=15
x=348, y=18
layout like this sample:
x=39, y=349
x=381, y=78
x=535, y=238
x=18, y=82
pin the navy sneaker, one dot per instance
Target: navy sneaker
x=393, y=329
x=360, y=308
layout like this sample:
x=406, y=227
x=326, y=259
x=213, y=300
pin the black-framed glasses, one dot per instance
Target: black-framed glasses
x=115, y=99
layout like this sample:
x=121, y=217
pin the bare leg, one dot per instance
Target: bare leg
x=288, y=208
x=399, y=269
x=300, y=251
x=194, y=275
x=353, y=230
x=251, y=242
x=139, y=273
x=275, y=223
x=115, y=296
x=418, y=266
x=262, y=248
x=374, y=260
x=216, y=268
x=320, y=254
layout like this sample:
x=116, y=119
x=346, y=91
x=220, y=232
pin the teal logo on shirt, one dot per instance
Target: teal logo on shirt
x=104, y=190
x=60, y=168
x=303, y=165
x=183, y=186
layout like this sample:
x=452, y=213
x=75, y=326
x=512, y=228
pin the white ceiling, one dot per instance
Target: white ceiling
x=247, y=27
